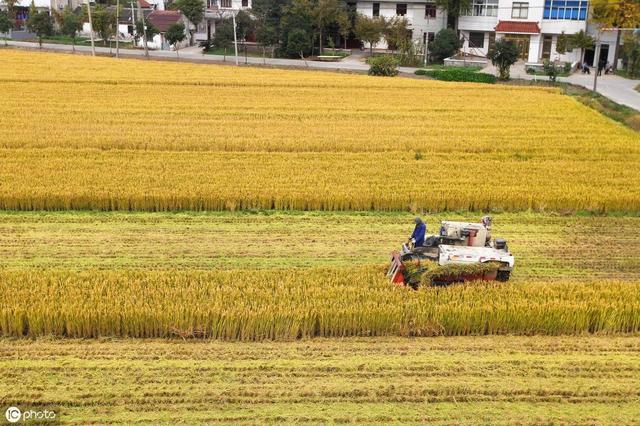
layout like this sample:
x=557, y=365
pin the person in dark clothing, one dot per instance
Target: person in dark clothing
x=600, y=67
x=419, y=232
x=585, y=68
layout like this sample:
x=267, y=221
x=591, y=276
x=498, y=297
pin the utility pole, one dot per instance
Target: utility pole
x=93, y=46
x=117, y=28
x=144, y=30
x=596, y=61
x=235, y=35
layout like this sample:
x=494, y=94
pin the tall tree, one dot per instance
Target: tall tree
x=194, y=11
x=369, y=30
x=5, y=24
x=345, y=24
x=296, y=16
x=268, y=15
x=618, y=14
x=39, y=23
x=582, y=41
x=71, y=25
x=223, y=38
x=11, y=10
x=397, y=32
x=104, y=22
x=324, y=13
x=454, y=9
x=175, y=35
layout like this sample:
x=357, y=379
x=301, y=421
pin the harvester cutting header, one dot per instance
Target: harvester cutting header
x=463, y=251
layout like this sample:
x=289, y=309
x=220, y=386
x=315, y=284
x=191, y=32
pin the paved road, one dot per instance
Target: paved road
x=620, y=90
x=195, y=54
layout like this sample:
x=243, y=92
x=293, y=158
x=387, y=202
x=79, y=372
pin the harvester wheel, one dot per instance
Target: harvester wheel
x=503, y=276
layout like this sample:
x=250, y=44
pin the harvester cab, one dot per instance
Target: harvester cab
x=463, y=251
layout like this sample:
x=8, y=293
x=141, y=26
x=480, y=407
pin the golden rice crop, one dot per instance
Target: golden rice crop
x=95, y=133
x=290, y=304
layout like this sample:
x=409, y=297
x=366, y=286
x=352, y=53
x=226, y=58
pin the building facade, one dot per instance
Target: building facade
x=534, y=25
x=425, y=20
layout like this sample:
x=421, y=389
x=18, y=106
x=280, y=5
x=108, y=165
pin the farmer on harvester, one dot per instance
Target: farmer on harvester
x=418, y=233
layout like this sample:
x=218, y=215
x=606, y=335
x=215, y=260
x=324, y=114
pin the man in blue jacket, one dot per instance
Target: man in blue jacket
x=419, y=232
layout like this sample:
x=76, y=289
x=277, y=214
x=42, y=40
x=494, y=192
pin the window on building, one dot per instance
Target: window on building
x=429, y=36
x=212, y=4
x=520, y=10
x=376, y=9
x=430, y=10
x=401, y=9
x=476, y=40
x=225, y=3
x=245, y=3
x=575, y=10
x=484, y=8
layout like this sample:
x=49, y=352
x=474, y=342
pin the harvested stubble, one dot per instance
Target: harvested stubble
x=290, y=304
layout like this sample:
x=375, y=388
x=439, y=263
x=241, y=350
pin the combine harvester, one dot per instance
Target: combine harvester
x=462, y=252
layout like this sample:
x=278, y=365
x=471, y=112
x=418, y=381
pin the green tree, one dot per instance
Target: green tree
x=223, y=38
x=104, y=22
x=618, y=14
x=397, y=33
x=268, y=15
x=345, y=23
x=563, y=44
x=244, y=25
x=454, y=9
x=39, y=23
x=11, y=11
x=71, y=25
x=296, y=17
x=151, y=31
x=298, y=43
x=445, y=44
x=194, y=11
x=5, y=24
x=175, y=35
x=632, y=54
x=503, y=54
x=324, y=13
x=369, y=30
x=581, y=40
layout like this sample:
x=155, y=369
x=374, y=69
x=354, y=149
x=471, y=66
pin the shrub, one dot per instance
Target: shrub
x=458, y=74
x=445, y=44
x=384, y=66
x=551, y=69
x=504, y=54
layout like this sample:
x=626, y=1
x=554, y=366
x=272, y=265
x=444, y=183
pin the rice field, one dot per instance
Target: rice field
x=156, y=136
x=194, y=244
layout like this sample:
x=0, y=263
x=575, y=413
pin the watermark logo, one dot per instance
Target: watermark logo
x=13, y=414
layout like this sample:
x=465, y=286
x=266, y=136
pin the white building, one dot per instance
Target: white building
x=534, y=25
x=425, y=20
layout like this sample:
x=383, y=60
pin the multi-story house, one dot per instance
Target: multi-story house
x=534, y=25
x=425, y=20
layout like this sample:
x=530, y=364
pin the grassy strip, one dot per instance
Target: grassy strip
x=490, y=380
x=289, y=304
